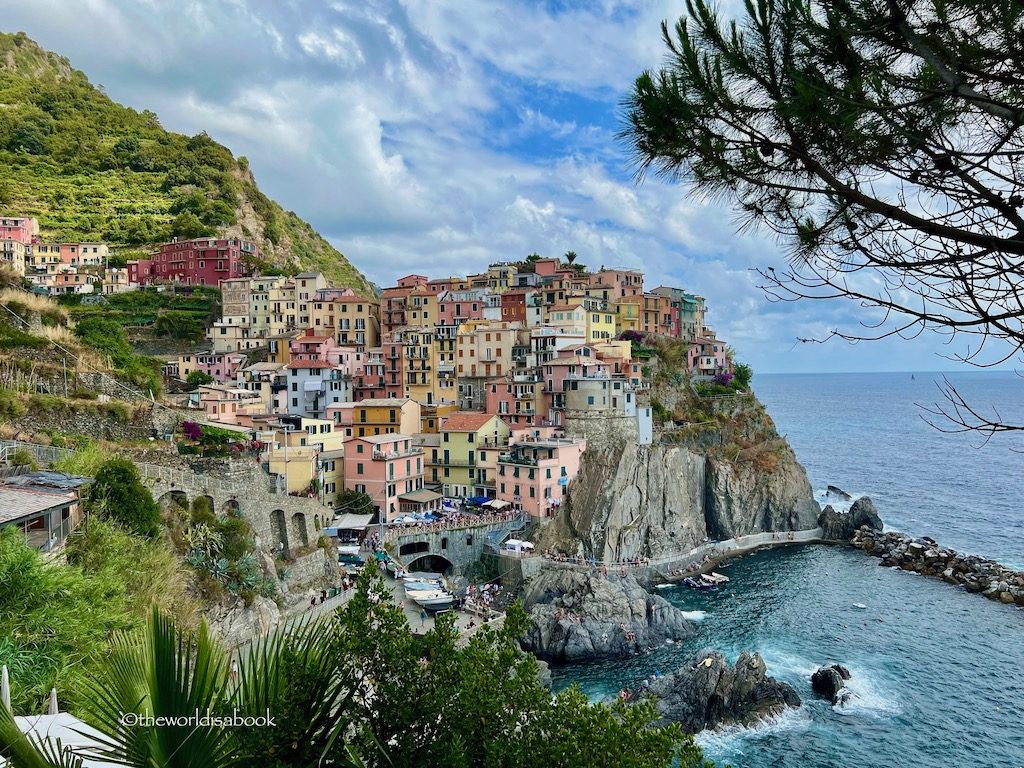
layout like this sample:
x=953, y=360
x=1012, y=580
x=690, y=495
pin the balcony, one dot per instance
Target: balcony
x=511, y=458
x=398, y=454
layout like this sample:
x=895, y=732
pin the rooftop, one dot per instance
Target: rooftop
x=467, y=421
x=16, y=503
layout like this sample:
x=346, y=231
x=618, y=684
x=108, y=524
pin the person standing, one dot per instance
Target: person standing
x=423, y=617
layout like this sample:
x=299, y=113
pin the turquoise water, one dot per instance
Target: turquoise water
x=938, y=673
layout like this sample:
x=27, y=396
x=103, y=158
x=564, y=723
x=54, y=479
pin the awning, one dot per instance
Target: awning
x=498, y=504
x=422, y=496
x=351, y=521
x=478, y=499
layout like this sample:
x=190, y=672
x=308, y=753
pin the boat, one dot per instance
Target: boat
x=435, y=600
x=422, y=586
x=715, y=578
x=425, y=594
x=663, y=586
x=693, y=583
x=860, y=606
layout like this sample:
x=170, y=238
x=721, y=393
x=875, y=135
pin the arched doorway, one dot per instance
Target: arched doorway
x=174, y=500
x=230, y=508
x=299, y=532
x=431, y=564
x=279, y=529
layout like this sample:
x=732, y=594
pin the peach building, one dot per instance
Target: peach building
x=535, y=473
x=386, y=468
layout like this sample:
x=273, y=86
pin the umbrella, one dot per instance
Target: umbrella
x=381, y=555
x=5, y=689
x=53, y=709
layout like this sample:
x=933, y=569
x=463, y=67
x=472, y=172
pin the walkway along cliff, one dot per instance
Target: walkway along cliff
x=719, y=471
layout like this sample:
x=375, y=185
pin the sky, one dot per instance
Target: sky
x=437, y=136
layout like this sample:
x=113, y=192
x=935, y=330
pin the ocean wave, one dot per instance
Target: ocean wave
x=728, y=739
x=694, y=615
x=868, y=697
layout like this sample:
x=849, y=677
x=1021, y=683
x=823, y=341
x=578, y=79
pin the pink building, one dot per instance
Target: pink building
x=516, y=398
x=140, y=272
x=457, y=307
x=309, y=346
x=706, y=357
x=394, y=367
x=368, y=379
x=620, y=283
x=19, y=228
x=386, y=468
x=203, y=261
x=536, y=472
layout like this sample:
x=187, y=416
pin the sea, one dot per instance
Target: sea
x=937, y=673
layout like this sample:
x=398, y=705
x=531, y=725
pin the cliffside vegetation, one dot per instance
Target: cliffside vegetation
x=91, y=169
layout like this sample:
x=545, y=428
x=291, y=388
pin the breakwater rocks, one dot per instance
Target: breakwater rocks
x=706, y=692
x=924, y=556
x=579, y=615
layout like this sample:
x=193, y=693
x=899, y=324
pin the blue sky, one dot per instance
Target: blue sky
x=437, y=136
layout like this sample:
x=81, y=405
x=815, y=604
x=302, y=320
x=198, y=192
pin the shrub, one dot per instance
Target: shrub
x=118, y=494
x=24, y=458
x=743, y=374
x=195, y=379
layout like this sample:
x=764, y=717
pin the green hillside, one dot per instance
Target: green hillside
x=91, y=169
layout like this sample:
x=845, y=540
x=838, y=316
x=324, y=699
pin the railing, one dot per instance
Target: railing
x=385, y=455
x=508, y=458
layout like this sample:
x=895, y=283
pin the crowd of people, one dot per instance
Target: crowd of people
x=449, y=521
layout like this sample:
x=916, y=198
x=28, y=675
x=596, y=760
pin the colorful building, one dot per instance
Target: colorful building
x=203, y=261
x=535, y=473
x=463, y=436
x=386, y=468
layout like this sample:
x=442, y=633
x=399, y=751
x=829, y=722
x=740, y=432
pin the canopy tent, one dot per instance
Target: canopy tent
x=352, y=521
x=498, y=504
x=478, y=500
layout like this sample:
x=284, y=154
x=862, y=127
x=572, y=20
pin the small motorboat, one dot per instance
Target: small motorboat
x=663, y=586
x=860, y=606
x=698, y=583
x=434, y=600
x=422, y=586
x=715, y=578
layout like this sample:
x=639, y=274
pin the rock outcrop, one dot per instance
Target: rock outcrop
x=923, y=555
x=841, y=526
x=236, y=623
x=656, y=501
x=837, y=492
x=706, y=692
x=578, y=615
x=829, y=681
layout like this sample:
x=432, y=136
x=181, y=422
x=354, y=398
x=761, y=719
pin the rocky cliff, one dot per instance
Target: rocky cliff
x=733, y=476
x=578, y=614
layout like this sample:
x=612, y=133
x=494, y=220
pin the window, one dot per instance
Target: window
x=359, y=469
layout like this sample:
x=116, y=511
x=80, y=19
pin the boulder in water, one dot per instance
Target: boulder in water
x=706, y=692
x=840, y=526
x=839, y=493
x=577, y=615
x=828, y=681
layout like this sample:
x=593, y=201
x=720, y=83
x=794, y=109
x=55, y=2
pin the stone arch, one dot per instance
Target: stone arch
x=299, y=530
x=231, y=508
x=204, y=503
x=173, y=498
x=431, y=563
x=413, y=548
x=279, y=529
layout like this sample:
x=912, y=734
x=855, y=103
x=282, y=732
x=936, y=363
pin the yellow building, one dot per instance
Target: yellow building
x=301, y=450
x=431, y=416
x=385, y=416
x=420, y=365
x=600, y=326
x=464, y=436
x=628, y=315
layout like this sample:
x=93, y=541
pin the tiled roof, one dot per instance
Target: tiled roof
x=465, y=422
x=16, y=503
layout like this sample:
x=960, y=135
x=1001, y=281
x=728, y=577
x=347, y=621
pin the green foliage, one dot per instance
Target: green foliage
x=58, y=618
x=433, y=701
x=117, y=493
x=106, y=335
x=659, y=412
x=356, y=502
x=12, y=337
x=742, y=375
x=178, y=325
x=91, y=169
x=195, y=378
x=87, y=460
x=24, y=458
